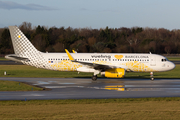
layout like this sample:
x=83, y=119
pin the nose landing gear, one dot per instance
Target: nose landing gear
x=151, y=75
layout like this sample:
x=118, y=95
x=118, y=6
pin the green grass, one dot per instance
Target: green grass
x=2, y=58
x=173, y=58
x=101, y=109
x=87, y=101
x=17, y=86
x=28, y=71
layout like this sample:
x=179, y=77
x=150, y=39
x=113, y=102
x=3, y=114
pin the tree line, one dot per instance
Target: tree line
x=108, y=40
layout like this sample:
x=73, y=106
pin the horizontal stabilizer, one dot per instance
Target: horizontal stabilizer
x=16, y=58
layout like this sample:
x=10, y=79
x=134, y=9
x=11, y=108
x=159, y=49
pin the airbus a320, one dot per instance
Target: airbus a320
x=110, y=65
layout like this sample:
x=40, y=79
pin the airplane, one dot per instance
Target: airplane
x=110, y=65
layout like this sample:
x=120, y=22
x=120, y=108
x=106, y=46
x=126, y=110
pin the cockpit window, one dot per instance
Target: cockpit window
x=163, y=60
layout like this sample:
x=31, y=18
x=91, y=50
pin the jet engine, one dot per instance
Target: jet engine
x=114, y=73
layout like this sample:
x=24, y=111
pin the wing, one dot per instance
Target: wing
x=96, y=66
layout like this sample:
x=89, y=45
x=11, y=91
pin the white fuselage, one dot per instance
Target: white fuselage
x=132, y=62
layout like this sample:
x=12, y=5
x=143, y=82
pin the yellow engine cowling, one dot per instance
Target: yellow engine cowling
x=114, y=73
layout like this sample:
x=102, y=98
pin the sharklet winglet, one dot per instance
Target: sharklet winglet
x=74, y=51
x=69, y=55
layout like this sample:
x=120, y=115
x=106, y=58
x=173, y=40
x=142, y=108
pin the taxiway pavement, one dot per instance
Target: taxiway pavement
x=83, y=88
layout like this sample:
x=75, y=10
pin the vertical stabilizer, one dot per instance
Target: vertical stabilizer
x=21, y=44
x=23, y=48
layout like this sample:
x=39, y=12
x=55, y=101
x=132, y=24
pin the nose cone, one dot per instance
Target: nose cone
x=171, y=65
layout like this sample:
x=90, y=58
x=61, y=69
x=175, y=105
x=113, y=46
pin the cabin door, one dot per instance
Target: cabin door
x=153, y=61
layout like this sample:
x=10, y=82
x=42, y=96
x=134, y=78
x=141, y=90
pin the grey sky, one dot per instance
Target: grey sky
x=91, y=13
x=9, y=5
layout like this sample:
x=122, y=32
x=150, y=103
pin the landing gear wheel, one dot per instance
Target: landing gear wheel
x=94, y=77
x=151, y=75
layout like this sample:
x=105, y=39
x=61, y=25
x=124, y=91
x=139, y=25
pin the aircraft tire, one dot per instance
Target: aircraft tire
x=94, y=77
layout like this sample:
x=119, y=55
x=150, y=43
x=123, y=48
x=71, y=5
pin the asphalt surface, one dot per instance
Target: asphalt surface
x=83, y=88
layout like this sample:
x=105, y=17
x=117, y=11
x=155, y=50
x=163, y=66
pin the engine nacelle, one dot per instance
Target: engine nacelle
x=114, y=73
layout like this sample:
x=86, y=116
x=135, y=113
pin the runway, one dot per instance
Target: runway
x=83, y=88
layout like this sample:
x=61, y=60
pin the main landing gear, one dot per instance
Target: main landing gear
x=94, y=77
x=151, y=75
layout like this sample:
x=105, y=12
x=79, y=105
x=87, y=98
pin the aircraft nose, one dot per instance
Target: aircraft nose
x=171, y=65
